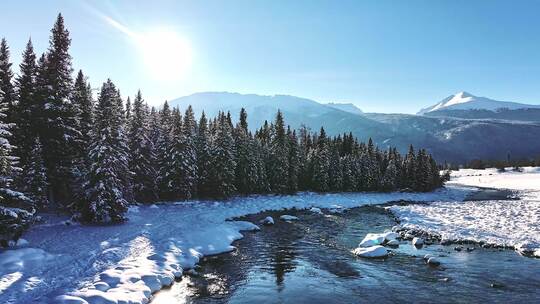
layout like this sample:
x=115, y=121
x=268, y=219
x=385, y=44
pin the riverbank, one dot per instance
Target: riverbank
x=128, y=262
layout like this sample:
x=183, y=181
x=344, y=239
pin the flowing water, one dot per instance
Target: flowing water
x=310, y=261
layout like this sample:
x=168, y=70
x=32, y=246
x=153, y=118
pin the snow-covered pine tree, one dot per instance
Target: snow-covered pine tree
x=303, y=164
x=27, y=106
x=83, y=104
x=424, y=178
x=223, y=164
x=335, y=175
x=35, y=177
x=183, y=164
x=279, y=157
x=106, y=185
x=349, y=173
x=6, y=84
x=162, y=146
x=141, y=153
x=202, y=146
x=321, y=163
x=262, y=185
x=246, y=173
x=60, y=132
x=128, y=110
x=293, y=160
x=390, y=178
x=408, y=173
x=16, y=210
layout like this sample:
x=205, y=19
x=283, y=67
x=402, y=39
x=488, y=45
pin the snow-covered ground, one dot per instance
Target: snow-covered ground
x=511, y=223
x=529, y=179
x=126, y=263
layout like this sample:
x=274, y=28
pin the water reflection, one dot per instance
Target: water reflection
x=309, y=261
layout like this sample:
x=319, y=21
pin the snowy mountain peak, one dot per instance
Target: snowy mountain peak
x=347, y=107
x=467, y=101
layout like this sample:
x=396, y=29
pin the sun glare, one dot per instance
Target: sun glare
x=166, y=54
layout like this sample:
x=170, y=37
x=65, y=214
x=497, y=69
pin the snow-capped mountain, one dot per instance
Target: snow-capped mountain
x=347, y=107
x=467, y=101
x=447, y=138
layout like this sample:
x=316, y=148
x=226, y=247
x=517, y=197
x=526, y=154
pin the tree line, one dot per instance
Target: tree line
x=61, y=149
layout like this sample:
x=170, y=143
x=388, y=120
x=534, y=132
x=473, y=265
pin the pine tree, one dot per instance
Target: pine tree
x=107, y=182
x=245, y=173
x=408, y=177
x=390, y=178
x=27, y=107
x=84, y=106
x=16, y=210
x=335, y=174
x=60, y=131
x=279, y=154
x=202, y=146
x=6, y=85
x=293, y=159
x=163, y=144
x=128, y=110
x=141, y=153
x=184, y=158
x=222, y=169
x=35, y=177
x=321, y=164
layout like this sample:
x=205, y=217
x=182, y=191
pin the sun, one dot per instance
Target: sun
x=166, y=54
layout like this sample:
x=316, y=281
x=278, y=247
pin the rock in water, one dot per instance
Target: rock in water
x=418, y=242
x=268, y=221
x=393, y=243
x=433, y=261
x=371, y=252
x=390, y=236
x=288, y=218
x=316, y=210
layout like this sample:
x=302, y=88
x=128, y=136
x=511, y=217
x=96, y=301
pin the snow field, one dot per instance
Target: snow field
x=506, y=223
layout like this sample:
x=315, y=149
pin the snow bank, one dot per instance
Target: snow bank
x=508, y=223
x=126, y=263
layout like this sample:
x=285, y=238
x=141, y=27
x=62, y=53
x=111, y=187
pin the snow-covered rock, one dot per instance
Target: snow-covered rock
x=393, y=243
x=371, y=252
x=418, y=241
x=433, y=261
x=268, y=221
x=154, y=206
x=316, y=210
x=288, y=218
x=372, y=239
x=66, y=299
x=21, y=243
x=101, y=286
x=390, y=236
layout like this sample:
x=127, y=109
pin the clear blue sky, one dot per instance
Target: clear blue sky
x=385, y=56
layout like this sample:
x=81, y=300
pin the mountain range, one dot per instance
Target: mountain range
x=458, y=129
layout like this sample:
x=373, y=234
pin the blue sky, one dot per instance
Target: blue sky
x=384, y=56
